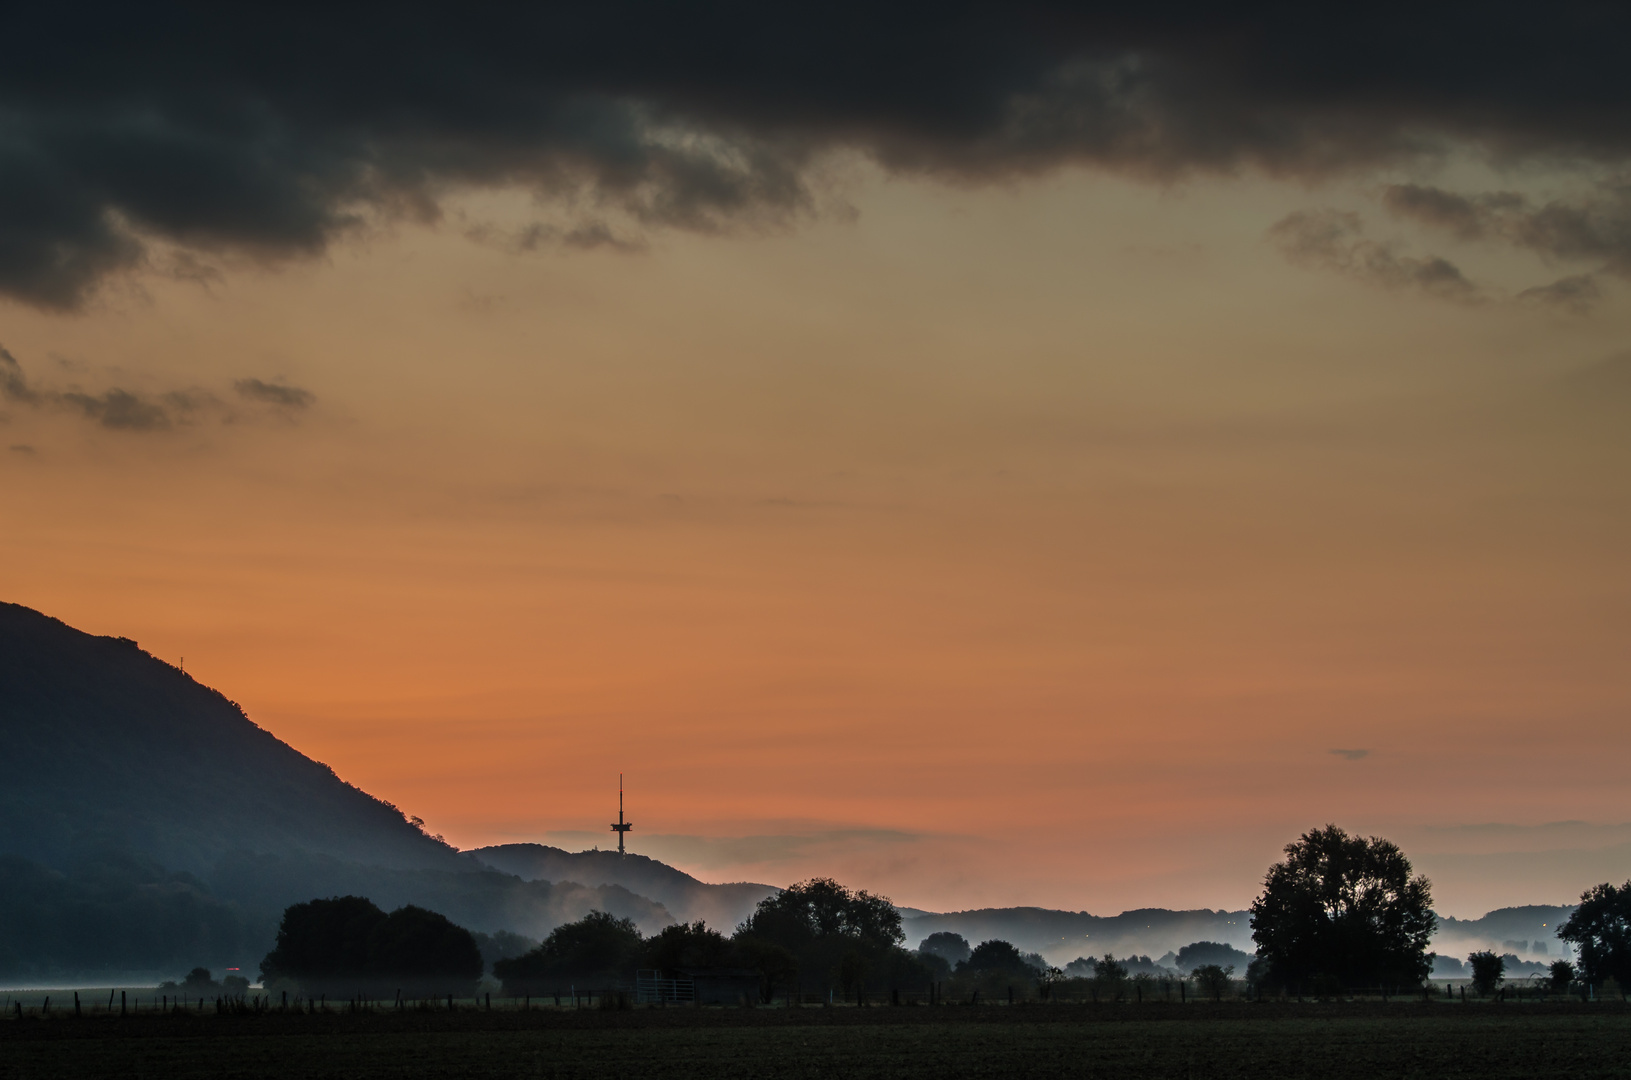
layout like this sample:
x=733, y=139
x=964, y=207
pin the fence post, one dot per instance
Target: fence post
x=121, y=1003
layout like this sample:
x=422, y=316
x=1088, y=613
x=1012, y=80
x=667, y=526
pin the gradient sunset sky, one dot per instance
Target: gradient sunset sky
x=990, y=455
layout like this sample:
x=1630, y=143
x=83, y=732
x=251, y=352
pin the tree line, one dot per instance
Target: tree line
x=1340, y=912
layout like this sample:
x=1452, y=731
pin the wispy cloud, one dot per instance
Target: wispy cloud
x=275, y=393
x=1352, y=755
x=1336, y=240
x=120, y=409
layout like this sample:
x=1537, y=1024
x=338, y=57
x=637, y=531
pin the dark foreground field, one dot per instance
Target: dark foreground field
x=1329, y=1041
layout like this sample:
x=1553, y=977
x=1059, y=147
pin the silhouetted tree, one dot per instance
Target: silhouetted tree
x=1196, y=953
x=775, y=963
x=997, y=957
x=933, y=963
x=1562, y=974
x=1345, y=909
x=1107, y=970
x=503, y=944
x=416, y=948
x=346, y=943
x=1601, y=929
x=597, y=950
x=688, y=945
x=323, y=940
x=1488, y=971
x=950, y=947
x=832, y=933
x=1212, y=979
x=198, y=982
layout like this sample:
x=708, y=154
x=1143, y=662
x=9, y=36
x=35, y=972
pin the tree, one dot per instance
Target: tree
x=950, y=947
x=1108, y=970
x=503, y=944
x=1345, y=909
x=1212, y=979
x=1601, y=929
x=1488, y=971
x=688, y=945
x=997, y=957
x=1562, y=974
x=1196, y=953
x=832, y=933
x=593, y=952
x=345, y=944
x=199, y=982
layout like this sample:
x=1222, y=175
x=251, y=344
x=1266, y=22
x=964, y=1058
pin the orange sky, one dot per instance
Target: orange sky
x=1031, y=544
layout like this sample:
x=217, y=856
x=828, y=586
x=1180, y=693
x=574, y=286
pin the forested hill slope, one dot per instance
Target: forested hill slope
x=106, y=748
x=686, y=898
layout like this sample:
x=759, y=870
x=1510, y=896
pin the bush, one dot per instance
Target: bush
x=1212, y=980
x=1488, y=971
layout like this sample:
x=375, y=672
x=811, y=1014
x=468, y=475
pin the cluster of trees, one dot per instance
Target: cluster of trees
x=347, y=945
x=200, y=983
x=817, y=934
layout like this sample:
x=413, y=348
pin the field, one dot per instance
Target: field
x=1322, y=1041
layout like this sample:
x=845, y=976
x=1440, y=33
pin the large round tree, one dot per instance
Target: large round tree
x=1343, y=911
x=1601, y=928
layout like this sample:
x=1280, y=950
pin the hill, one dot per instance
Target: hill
x=1062, y=936
x=147, y=825
x=686, y=898
x=107, y=747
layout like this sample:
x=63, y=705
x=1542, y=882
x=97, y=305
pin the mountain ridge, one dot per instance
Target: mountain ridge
x=721, y=906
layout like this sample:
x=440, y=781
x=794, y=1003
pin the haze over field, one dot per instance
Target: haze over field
x=992, y=457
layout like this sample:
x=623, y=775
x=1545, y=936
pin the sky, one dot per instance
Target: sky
x=988, y=455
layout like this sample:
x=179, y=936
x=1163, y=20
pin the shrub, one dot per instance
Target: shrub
x=1488, y=971
x=1212, y=979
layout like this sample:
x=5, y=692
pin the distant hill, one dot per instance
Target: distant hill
x=1529, y=932
x=146, y=823
x=686, y=898
x=107, y=747
x=1062, y=936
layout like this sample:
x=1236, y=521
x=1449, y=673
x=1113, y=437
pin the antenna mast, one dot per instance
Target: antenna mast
x=622, y=827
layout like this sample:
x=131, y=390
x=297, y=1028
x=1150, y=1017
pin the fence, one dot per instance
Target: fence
x=651, y=988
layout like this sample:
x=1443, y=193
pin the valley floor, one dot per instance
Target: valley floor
x=1321, y=1041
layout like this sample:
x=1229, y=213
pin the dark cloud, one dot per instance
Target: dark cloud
x=288, y=397
x=1594, y=227
x=126, y=410
x=13, y=384
x=270, y=130
x=1352, y=755
x=1335, y=240
x=585, y=236
x=119, y=409
x=21, y=448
